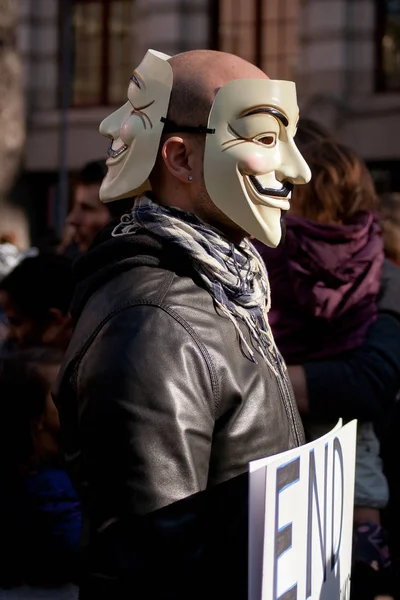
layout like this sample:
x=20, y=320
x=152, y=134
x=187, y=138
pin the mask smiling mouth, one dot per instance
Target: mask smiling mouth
x=282, y=192
x=114, y=153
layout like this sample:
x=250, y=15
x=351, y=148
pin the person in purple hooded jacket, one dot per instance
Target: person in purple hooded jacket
x=325, y=280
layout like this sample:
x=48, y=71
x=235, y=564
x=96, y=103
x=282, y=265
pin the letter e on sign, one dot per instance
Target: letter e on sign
x=286, y=475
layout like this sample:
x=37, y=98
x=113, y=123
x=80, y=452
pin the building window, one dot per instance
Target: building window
x=264, y=33
x=102, y=49
x=388, y=45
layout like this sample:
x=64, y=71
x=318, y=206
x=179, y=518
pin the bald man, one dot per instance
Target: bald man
x=172, y=382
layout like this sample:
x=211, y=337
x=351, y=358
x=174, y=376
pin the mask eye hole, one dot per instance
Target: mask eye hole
x=136, y=81
x=267, y=140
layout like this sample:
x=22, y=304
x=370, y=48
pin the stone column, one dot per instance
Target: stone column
x=12, y=118
x=336, y=76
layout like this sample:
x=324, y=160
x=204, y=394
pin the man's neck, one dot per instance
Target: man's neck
x=214, y=217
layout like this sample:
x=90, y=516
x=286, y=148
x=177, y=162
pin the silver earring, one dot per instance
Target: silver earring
x=190, y=178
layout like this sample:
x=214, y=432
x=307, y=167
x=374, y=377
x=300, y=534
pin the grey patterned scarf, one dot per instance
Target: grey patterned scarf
x=235, y=276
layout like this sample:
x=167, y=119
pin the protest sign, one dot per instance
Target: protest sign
x=301, y=520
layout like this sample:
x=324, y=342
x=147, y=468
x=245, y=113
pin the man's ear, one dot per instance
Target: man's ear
x=177, y=155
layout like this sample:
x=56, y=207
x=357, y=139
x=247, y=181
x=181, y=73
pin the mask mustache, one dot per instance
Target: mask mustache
x=283, y=192
x=115, y=153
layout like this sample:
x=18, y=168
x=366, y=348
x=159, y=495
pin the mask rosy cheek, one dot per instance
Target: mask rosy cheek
x=254, y=164
x=130, y=129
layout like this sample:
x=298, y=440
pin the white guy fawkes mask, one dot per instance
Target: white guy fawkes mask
x=135, y=129
x=251, y=161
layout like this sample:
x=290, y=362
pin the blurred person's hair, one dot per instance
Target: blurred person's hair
x=93, y=173
x=48, y=242
x=311, y=131
x=14, y=226
x=390, y=223
x=341, y=185
x=38, y=284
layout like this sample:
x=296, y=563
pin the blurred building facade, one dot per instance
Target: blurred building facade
x=349, y=77
x=12, y=122
x=77, y=56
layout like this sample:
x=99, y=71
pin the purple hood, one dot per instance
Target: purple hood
x=324, y=282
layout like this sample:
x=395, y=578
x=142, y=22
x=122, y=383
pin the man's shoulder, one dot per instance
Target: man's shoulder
x=167, y=293
x=145, y=285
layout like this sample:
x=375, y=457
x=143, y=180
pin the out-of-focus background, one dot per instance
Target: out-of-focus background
x=65, y=64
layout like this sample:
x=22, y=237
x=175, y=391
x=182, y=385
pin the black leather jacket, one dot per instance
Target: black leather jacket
x=157, y=398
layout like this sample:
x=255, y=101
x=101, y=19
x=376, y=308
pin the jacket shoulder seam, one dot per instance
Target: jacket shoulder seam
x=203, y=349
x=165, y=287
x=145, y=302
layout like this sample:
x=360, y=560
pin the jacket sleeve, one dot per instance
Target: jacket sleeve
x=389, y=293
x=361, y=384
x=146, y=410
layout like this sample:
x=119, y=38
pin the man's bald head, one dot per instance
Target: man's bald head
x=198, y=75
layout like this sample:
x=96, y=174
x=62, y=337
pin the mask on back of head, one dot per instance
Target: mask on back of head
x=135, y=129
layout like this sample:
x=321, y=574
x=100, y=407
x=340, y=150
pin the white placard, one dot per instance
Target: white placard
x=301, y=520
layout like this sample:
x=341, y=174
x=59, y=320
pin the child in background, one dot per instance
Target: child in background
x=35, y=297
x=39, y=509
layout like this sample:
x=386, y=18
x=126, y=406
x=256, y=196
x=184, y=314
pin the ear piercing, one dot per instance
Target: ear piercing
x=190, y=178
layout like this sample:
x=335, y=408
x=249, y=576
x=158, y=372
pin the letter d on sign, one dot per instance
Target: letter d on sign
x=285, y=476
x=337, y=451
x=313, y=498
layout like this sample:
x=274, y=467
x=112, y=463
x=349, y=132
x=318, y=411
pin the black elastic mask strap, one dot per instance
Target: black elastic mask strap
x=172, y=127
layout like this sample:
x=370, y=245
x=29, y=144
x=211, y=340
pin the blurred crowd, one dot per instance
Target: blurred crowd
x=338, y=232
x=41, y=517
